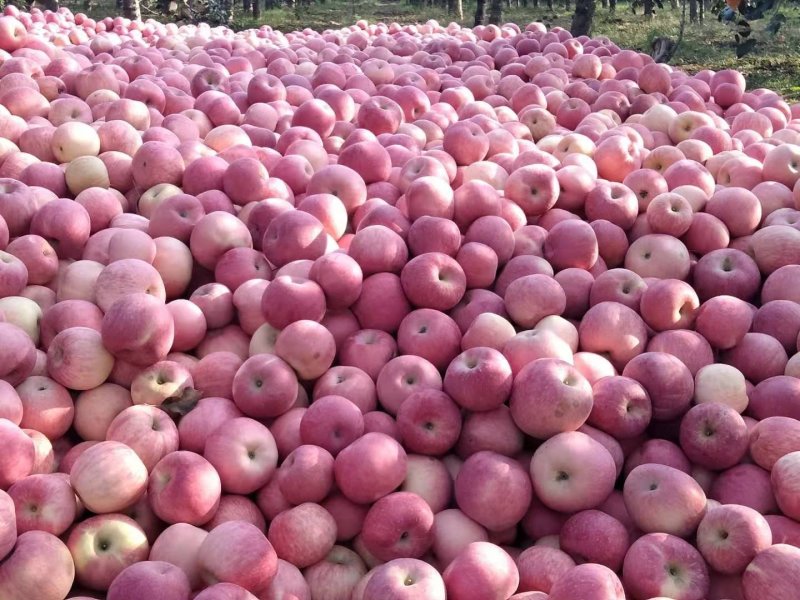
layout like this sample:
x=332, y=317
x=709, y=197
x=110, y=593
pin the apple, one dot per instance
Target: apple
x=108, y=477
x=484, y=569
x=103, y=546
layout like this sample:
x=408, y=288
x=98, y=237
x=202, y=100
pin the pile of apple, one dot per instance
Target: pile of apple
x=392, y=313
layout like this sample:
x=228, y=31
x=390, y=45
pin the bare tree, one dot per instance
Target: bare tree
x=496, y=12
x=480, y=13
x=583, y=17
x=131, y=9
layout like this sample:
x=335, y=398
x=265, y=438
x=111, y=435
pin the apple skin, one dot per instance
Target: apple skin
x=103, y=546
x=730, y=536
x=150, y=577
x=784, y=482
x=178, y=544
x=773, y=573
x=337, y=574
x=219, y=561
x=303, y=535
x=562, y=401
x=8, y=531
x=595, y=537
x=20, y=579
x=44, y=502
x=714, y=436
x=659, y=563
x=572, y=472
x=244, y=454
x=483, y=479
x=772, y=438
x=399, y=525
x=402, y=579
x=660, y=498
x=481, y=570
x=589, y=581
x=371, y=467
x=184, y=488
x=108, y=477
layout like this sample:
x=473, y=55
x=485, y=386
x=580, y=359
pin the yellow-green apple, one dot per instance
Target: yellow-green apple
x=162, y=380
x=184, y=488
x=108, y=477
x=103, y=546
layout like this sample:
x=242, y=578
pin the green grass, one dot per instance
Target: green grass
x=775, y=62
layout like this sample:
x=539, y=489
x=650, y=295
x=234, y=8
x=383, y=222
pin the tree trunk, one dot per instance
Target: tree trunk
x=583, y=18
x=612, y=5
x=496, y=12
x=648, y=9
x=604, y=3
x=480, y=13
x=701, y=10
x=692, y=11
x=566, y=5
x=459, y=9
x=131, y=10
